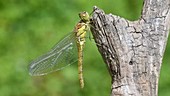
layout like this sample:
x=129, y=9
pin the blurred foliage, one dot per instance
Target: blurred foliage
x=29, y=28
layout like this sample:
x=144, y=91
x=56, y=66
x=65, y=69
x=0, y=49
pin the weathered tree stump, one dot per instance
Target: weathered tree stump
x=133, y=50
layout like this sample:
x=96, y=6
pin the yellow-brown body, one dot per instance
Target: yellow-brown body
x=80, y=32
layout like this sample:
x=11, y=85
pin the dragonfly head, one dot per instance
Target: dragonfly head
x=84, y=16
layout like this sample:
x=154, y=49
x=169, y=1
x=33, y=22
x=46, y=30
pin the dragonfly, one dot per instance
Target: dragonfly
x=65, y=52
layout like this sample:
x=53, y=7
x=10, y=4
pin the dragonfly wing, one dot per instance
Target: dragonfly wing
x=62, y=54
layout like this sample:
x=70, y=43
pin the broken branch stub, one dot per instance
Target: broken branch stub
x=132, y=51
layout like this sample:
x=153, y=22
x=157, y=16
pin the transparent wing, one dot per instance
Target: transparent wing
x=62, y=54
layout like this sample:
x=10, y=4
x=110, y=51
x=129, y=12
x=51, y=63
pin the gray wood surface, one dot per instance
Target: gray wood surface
x=133, y=50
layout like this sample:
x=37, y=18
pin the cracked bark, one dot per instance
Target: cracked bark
x=133, y=50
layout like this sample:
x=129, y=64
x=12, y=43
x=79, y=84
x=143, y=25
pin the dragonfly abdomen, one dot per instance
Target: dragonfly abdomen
x=80, y=65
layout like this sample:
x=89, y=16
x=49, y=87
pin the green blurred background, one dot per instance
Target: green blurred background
x=29, y=28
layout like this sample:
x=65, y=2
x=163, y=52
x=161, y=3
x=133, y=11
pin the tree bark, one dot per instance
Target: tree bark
x=133, y=50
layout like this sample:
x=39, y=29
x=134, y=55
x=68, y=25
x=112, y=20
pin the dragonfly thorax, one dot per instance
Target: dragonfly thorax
x=80, y=32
